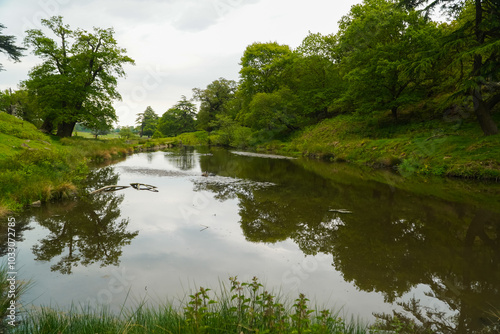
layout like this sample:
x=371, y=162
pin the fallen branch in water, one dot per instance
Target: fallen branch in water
x=108, y=189
x=142, y=186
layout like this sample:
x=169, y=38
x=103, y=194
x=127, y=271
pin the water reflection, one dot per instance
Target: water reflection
x=84, y=231
x=393, y=241
x=182, y=158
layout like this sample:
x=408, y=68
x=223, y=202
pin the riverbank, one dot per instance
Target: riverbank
x=452, y=148
x=37, y=168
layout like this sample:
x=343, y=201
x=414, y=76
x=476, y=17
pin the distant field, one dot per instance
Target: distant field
x=112, y=135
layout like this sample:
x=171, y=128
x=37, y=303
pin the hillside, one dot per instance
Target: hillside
x=456, y=149
x=37, y=167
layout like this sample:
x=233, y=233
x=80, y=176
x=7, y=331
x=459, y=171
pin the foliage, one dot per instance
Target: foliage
x=78, y=77
x=316, y=79
x=215, y=100
x=178, y=119
x=383, y=51
x=262, y=67
x=243, y=308
x=147, y=121
x=35, y=167
x=8, y=46
x=21, y=104
x=271, y=111
x=126, y=132
x=477, y=32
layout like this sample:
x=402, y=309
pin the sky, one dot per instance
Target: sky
x=177, y=45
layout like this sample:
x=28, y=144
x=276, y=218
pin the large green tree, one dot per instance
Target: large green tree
x=314, y=76
x=263, y=87
x=8, y=46
x=147, y=121
x=77, y=81
x=262, y=69
x=383, y=54
x=178, y=119
x=480, y=34
x=215, y=100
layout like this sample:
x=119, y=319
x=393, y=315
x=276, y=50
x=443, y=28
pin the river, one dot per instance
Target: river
x=357, y=240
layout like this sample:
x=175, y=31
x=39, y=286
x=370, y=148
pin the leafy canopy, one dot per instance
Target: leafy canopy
x=8, y=47
x=77, y=79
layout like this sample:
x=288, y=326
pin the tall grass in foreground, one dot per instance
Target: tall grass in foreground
x=9, y=292
x=242, y=308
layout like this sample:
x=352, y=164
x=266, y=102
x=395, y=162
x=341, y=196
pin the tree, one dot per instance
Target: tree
x=263, y=65
x=101, y=129
x=215, y=100
x=7, y=46
x=382, y=51
x=147, y=121
x=78, y=77
x=126, y=132
x=178, y=119
x=272, y=111
x=21, y=104
x=315, y=76
x=482, y=31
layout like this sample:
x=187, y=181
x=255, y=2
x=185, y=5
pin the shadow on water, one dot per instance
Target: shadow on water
x=83, y=231
x=384, y=234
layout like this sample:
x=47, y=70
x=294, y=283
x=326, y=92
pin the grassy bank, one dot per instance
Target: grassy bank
x=449, y=146
x=243, y=307
x=438, y=147
x=37, y=168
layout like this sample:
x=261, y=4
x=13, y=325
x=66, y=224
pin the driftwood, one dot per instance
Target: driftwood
x=142, y=186
x=137, y=186
x=109, y=188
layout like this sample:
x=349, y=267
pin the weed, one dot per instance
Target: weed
x=245, y=308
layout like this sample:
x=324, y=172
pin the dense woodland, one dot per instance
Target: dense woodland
x=388, y=59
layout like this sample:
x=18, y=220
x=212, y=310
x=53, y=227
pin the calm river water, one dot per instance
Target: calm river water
x=359, y=241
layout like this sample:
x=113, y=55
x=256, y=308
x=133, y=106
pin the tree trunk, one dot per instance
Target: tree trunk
x=65, y=129
x=47, y=125
x=394, y=111
x=483, y=114
x=480, y=106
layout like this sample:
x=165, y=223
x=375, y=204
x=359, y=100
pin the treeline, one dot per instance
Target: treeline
x=388, y=59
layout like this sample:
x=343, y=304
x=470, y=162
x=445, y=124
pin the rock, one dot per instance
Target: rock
x=36, y=204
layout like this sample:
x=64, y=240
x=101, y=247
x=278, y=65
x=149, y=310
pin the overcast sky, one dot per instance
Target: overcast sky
x=177, y=44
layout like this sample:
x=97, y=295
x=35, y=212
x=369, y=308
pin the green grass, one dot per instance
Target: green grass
x=111, y=135
x=432, y=147
x=37, y=167
x=198, y=138
x=244, y=307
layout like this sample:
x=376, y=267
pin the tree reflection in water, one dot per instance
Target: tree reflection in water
x=393, y=241
x=85, y=231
